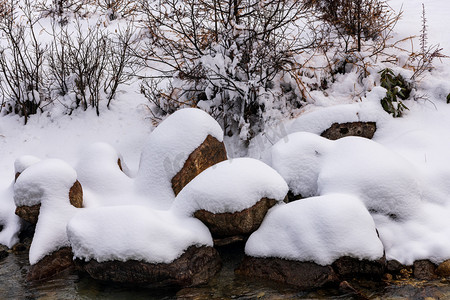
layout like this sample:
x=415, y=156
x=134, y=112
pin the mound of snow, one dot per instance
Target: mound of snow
x=134, y=233
x=8, y=219
x=318, y=229
x=47, y=182
x=168, y=148
x=231, y=186
x=24, y=162
x=385, y=181
x=299, y=159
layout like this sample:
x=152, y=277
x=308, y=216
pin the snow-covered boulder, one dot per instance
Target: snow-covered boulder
x=48, y=184
x=232, y=197
x=183, y=145
x=312, y=237
x=312, y=165
x=23, y=162
x=136, y=244
x=44, y=180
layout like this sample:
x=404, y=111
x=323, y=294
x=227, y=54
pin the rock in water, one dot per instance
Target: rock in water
x=196, y=266
x=51, y=264
x=304, y=275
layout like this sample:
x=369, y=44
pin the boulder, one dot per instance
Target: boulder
x=31, y=213
x=239, y=223
x=303, y=275
x=195, y=266
x=52, y=264
x=340, y=130
x=349, y=267
x=443, y=269
x=209, y=153
x=424, y=270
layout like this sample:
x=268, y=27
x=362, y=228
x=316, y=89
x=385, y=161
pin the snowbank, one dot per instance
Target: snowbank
x=230, y=186
x=318, y=229
x=8, y=219
x=134, y=233
x=167, y=149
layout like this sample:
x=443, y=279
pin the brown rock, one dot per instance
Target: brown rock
x=76, y=195
x=31, y=213
x=394, y=266
x=348, y=267
x=196, y=266
x=239, y=223
x=443, y=269
x=16, y=176
x=51, y=265
x=362, y=129
x=424, y=270
x=209, y=153
x=304, y=275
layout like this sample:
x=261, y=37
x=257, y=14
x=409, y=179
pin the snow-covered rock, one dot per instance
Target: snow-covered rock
x=23, y=162
x=318, y=229
x=133, y=233
x=167, y=149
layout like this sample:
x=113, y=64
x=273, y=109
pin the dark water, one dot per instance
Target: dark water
x=225, y=285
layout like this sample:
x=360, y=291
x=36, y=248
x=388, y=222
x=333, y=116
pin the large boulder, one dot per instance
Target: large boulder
x=340, y=130
x=304, y=275
x=195, y=266
x=232, y=197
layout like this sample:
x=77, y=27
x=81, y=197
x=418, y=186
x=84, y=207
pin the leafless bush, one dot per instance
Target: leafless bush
x=118, y=8
x=234, y=59
x=21, y=63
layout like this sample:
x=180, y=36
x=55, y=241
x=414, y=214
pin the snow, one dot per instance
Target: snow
x=47, y=183
x=230, y=186
x=318, y=229
x=400, y=179
x=167, y=149
x=134, y=233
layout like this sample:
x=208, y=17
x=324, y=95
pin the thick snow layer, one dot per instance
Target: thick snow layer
x=231, y=186
x=48, y=179
x=47, y=182
x=168, y=148
x=299, y=159
x=24, y=162
x=8, y=219
x=385, y=181
x=318, y=229
x=134, y=233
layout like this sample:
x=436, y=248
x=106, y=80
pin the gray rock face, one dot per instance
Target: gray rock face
x=196, y=266
x=340, y=130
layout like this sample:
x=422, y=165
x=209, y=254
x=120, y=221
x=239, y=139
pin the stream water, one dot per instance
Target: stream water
x=225, y=285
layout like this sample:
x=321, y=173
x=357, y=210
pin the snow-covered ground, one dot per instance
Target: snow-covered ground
x=406, y=165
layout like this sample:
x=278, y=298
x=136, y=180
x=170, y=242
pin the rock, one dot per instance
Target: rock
x=340, y=130
x=304, y=275
x=349, y=267
x=196, y=266
x=209, y=153
x=443, y=269
x=76, y=195
x=3, y=252
x=424, y=270
x=51, y=265
x=31, y=213
x=394, y=266
x=239, y=223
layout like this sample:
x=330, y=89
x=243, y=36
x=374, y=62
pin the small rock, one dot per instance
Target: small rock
x=3, y=252
x=349, y=267
x=394, y=266
x=209, y=153
x=303, y=275
x=51, y=265
x=424, y=270
x=362, y=129
x=443, y=269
